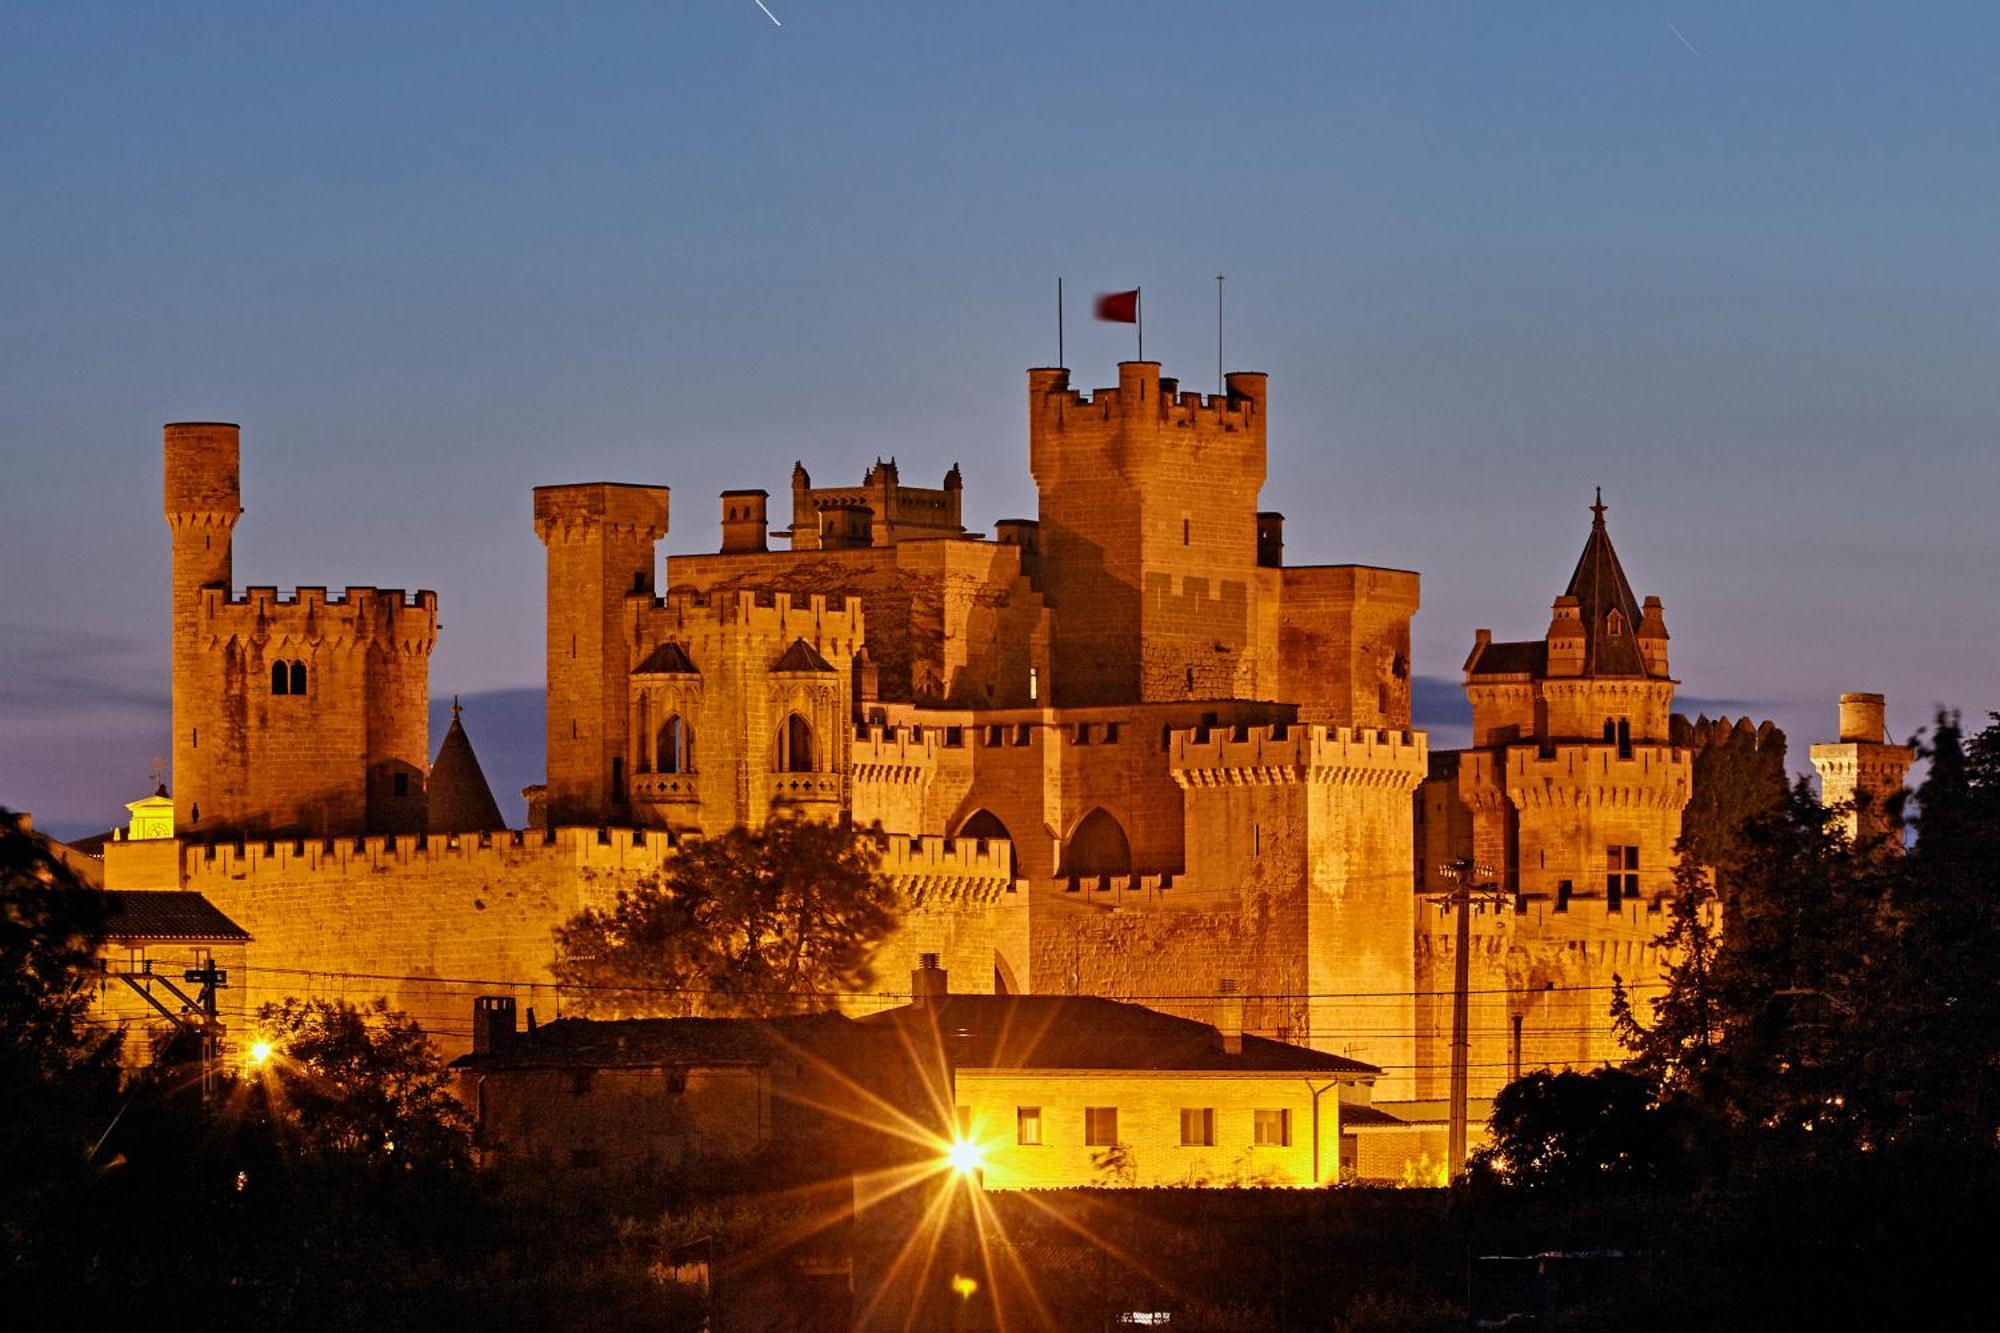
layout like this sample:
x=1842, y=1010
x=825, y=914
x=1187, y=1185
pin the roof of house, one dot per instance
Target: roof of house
x=1084, y=1032
x=645, y=1043
x=668, y=659
x=458, y=799
x=154, y=914
x=801, y=656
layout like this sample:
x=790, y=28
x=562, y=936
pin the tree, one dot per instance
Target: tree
x=1571, y=1130
x=362, y=1082
x=747, y=923
x=1674, y=1048
x=57, y=1072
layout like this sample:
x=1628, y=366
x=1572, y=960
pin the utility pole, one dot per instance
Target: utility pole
x=1468, y=882
x=206, y=1025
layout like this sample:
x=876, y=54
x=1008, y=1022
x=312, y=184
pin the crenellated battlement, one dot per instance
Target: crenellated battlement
x=313, y=615
x=1293, y=752
x=1143, y=392
x=760, y=612
x=894, y=754
x=975, y=869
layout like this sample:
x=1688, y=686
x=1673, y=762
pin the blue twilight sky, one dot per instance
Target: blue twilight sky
x=1735, y=263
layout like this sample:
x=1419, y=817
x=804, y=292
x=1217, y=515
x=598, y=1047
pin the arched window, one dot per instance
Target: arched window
x=1610, y=732
x=797, y=752
x=1624, y=738
x=281, y=677
x=986, y=825
x=1615, y=624
x=1097, y=847
x=298, y=678
x=675, y=750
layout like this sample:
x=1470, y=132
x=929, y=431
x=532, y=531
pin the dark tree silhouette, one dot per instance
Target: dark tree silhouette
x=770, y=922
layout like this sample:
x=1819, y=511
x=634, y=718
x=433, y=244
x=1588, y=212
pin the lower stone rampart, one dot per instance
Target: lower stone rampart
x=430, y=923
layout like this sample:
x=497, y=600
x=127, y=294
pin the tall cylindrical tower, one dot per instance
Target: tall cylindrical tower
x=203, y=499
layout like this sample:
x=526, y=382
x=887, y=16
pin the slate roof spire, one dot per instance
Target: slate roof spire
x=1610, y=614
x=458, y=797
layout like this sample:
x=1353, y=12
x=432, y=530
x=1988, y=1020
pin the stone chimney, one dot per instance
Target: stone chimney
x=1229, y=1017
x=1863, y=718
x=744, y=521
x=928, y=981
x=1270, y=540
x=492, y=1023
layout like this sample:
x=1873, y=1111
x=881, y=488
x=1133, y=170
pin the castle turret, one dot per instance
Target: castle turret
x=203, y=501
x=600, y=538
x=293, y=714
x=1148, y=529
x=1862, y=771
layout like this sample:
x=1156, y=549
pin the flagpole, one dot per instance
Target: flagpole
x=1218, y=333
x=1059, y=323
x=1139, y=318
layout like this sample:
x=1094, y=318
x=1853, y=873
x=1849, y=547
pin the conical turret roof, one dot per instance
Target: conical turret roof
x=1610, y=648
x=459, y=799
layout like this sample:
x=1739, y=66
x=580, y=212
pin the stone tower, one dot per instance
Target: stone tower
x=1862, y=771
x=600, y=538
x=293, y=715
x=1149, y=534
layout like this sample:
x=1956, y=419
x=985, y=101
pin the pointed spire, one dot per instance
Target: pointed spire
x=1609, y=613
x=458, y=798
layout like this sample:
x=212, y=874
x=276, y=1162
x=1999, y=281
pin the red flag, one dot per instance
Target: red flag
x=1119, y=307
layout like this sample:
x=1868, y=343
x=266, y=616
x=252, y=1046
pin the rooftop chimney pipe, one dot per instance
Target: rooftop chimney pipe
x=928, y=982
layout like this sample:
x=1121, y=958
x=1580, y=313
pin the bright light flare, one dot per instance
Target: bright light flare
x=964, y=1286
x=964, y=1156
x=259, y=1056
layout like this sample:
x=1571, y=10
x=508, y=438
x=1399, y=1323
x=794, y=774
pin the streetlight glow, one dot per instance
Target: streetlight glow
x=260, y=1054
x=964, y=1156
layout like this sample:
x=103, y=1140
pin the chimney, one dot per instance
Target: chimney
x=928, y=982
x=1863, y=719
x=1270, y=539
x=1229, y=1017
x=744, y=524
x=492, y=1023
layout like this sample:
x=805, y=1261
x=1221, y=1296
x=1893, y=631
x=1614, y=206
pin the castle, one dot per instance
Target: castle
x=1119, y=749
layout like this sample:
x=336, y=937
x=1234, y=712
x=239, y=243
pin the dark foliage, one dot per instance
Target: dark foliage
x=776, y=921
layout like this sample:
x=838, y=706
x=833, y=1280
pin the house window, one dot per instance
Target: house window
x=1034, y=684
x=1111, y=733
x=579, y=1082
x=1023, y=734
x=954, y=738
x=1272, y=1127
x=1083, y=733
x=1028, y=1125
x=1563, y=890
x=996, y=736
x=677, y=1081
x=1197, y=1127
x=1100, y=1126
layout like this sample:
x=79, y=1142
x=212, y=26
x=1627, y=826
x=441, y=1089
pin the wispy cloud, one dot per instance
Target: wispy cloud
x=44, y=672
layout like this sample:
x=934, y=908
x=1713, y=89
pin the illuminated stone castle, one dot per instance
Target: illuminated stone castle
x=1118, y=749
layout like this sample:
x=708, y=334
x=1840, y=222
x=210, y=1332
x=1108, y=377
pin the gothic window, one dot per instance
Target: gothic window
x=1624, y=738
x=298, y=678
x=281, y=677
x=986, y=826
x=618, y=779
x=1614, y=625
x=1610, y=732
x=1097, y=848
x=674, y=751
x=797, y=752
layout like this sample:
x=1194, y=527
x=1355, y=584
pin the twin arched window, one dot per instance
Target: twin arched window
x=288, y=677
